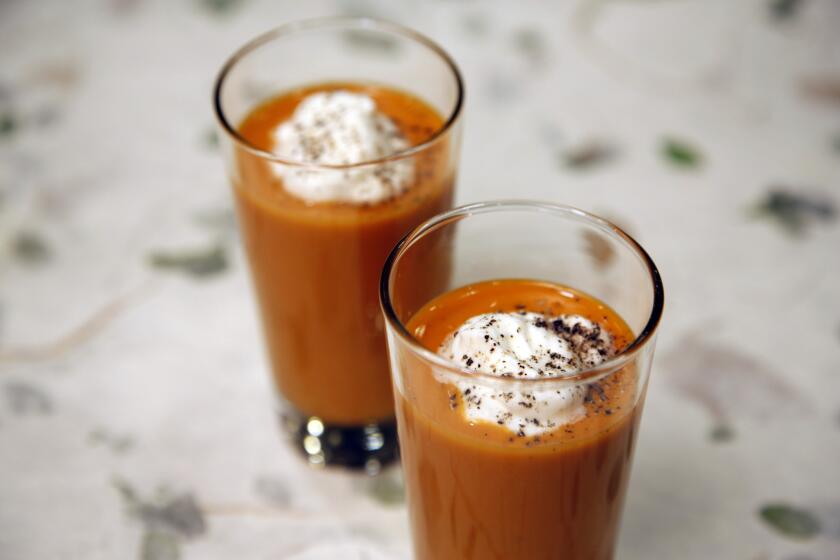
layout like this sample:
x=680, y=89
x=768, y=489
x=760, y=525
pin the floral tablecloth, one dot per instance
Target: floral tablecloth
x=135, y=409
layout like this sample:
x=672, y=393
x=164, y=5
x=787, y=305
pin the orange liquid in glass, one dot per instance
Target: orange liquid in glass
x=479, y=491
x=316, y=267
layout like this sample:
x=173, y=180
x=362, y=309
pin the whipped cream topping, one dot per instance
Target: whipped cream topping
x=526, y=345
x=341, y=128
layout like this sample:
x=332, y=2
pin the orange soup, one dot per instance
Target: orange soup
x=316, y=267
x=478, y=490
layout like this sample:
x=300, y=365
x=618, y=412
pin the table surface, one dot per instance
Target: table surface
x=135, y=416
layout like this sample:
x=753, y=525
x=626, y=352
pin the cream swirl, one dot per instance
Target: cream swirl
x=341, y=128
x=526, y=345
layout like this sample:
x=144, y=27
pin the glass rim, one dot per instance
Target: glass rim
x=591, y=374
x=350, y=22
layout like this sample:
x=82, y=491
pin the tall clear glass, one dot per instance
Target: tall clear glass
x=315, y=265
x=472, y=494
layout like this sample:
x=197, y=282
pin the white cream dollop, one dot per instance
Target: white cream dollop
x=523, y=346
x=341, y=128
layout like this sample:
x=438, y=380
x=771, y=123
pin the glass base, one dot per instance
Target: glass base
x=369, y=447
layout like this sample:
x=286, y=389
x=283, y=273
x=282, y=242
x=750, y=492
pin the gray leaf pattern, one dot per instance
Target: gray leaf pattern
x=167, y=519
x=26, y=398
x=158, y=545
x=729, y=384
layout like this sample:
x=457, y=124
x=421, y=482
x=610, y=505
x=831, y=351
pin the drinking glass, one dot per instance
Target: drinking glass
x=315, y=266
x=473, y=497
